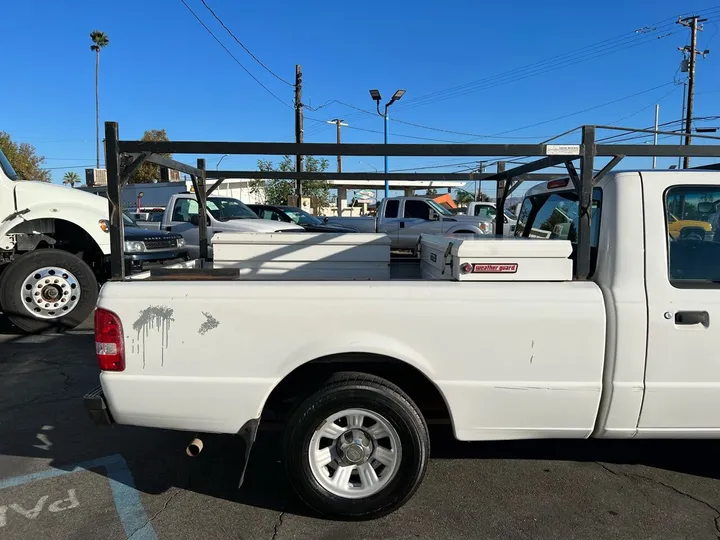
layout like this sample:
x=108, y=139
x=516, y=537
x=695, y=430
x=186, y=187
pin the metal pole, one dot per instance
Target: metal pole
x=500, y=197
x=201, y=195
x=682, y=119
x=385, y=131
x=114, y=193
x=655, y=137
x=298, y=130
x=338, y=122
x=585, y=195
x=691, y=87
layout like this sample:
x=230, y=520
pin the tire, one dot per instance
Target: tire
x=73, y=282
x=384, y=409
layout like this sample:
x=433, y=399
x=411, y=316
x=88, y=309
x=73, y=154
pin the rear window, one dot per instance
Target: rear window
x=555, y=215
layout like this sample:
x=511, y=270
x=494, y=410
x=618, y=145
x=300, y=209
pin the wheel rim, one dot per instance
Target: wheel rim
x=355, y=453
x=50, y=293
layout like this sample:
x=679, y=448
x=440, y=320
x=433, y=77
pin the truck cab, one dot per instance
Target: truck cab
x=225, y=214
x=488, y=210
x=661, y=295
x=406, y=218
x=56, y=233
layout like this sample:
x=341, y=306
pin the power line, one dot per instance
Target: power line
x=232, y=55
x=637, y=35
x=278, y=77
x=514, y=77
x=577, y=112
x=636, y=38
x=381, y=133
x=68, y=167
x=475, y=135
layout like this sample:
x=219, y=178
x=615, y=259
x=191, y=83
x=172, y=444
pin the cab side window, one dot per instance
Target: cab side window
x=269, y=214
x=692, y=219
x=485, y=211
x=417, y=209
x=184, y=209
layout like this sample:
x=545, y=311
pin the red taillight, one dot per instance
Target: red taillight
x=109, y=344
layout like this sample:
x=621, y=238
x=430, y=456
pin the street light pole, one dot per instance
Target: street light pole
x=385, y=131
x=217, y=165
x=375, y=95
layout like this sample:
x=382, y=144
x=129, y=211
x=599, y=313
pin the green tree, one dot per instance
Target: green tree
x=149, y=171
x=431, y=192
x=24, y=159
x=71, y=178
x=99, y=41
x=279, y=191
x=463, y=197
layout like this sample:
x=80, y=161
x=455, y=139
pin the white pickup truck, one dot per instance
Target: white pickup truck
x=629, y=353
x=224, y=214
x=488, y=210
x=53, y=251
x=404, y=219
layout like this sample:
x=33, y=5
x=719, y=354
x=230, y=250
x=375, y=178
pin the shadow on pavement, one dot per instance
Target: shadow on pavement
x=43, y=378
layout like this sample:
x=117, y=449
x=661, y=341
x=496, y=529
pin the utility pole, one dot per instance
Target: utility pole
x=298, y=130
x=692, y=23
x=655, y=137
x=339, y=123
x=478, y=183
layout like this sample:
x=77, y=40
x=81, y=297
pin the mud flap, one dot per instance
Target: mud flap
x=248, y=433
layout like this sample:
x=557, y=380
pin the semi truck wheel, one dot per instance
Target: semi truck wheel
x=48, y=290
x=357, y=448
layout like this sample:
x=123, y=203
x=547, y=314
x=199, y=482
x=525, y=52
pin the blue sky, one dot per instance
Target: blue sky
x=163, y=70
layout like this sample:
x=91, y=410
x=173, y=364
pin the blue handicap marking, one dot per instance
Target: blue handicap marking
x=126, y=498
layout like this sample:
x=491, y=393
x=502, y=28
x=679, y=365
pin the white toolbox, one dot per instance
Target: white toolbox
x=469, y=257
x=304, y=256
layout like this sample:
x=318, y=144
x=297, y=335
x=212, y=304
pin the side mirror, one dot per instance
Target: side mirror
x=195, y=221
x=433, y=216
x=505, y=220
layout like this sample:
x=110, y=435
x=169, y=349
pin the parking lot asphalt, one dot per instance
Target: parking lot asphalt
x=63, y=478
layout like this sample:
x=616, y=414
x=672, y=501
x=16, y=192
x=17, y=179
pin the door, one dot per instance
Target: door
x=389, y=222
x=415, y=221
x=181, y=222
x=682, y=376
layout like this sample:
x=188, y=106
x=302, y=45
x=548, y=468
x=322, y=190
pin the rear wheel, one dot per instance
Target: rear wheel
x=357, y=448
x=48, y=290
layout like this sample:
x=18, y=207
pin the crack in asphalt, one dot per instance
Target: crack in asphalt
x=36, y=401
x=278, y=524
x=716, y=520
x=177, y=492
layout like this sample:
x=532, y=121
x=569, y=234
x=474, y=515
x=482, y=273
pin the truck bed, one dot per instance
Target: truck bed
x=205, y=356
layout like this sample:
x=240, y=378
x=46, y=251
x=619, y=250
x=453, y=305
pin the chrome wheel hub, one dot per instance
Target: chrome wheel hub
x=50, y=292
x=354, y=453
x=354, y=447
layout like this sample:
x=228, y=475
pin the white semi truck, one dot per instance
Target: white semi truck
x=54, y=245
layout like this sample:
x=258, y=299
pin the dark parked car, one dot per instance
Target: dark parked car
x=291, y=214
x=146, y=245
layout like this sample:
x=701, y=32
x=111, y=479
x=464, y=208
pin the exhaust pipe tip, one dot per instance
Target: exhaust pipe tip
x=194, y=448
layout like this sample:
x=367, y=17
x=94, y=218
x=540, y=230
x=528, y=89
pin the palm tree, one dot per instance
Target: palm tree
x=463, y=198
x=100, y=41
x=71, y=178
